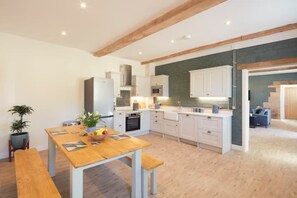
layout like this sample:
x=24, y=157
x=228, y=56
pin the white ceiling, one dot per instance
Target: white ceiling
x=103, y=22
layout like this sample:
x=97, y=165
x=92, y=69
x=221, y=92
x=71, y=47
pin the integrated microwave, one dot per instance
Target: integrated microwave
x=157, y=90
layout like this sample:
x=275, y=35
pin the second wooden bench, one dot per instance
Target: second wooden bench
x=148, y=166
x=32, y=177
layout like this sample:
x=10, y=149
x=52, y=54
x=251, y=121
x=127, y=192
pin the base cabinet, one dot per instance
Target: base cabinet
x=145, y=121
x=215, y=132
x=171, y=128
x=187, y=127
x=157, y=121
x=119, y=121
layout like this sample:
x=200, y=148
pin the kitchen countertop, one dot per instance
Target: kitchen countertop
x=223, y=113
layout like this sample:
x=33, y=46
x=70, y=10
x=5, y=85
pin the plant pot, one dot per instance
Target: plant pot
x=17, y=139
x=90, y=129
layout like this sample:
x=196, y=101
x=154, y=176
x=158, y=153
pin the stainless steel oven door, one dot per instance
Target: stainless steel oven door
x=157, y=90
x=132, y=122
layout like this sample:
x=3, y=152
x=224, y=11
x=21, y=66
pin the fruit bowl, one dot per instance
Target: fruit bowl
x=98, y=135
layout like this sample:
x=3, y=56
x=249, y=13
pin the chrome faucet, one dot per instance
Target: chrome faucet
x=179, y=105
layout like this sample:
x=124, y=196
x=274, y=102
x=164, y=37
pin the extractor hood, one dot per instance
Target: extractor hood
x=126, y=75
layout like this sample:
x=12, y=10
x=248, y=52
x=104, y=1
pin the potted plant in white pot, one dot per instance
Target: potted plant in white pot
x=89, y=120
x=18, y=136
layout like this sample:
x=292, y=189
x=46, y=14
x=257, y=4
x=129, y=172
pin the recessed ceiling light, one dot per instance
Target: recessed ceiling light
x=228, y=22
x=187, y=37
x=83, y=5
x=140, y=53
x=172, y=41
x=64, y=33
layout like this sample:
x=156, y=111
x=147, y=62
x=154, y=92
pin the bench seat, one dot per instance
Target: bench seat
x=32, y=177
x=148, y=166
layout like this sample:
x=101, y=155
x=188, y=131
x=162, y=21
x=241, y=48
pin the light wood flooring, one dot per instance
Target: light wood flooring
x=269, y=169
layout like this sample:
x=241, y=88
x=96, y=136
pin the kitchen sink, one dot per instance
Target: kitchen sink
x=171, y=115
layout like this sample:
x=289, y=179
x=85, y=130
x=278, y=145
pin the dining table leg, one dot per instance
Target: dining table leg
x=51, y=157
x=76, y=182
x=136, y=174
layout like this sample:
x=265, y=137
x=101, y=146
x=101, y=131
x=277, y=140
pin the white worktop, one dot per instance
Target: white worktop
x=185, y=110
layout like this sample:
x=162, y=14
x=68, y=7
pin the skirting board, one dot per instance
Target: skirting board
x=236, y=147
x=4, y=155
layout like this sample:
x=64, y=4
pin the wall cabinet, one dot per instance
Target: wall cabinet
x=116, y=76
x=119, y=123
x=157, y=121
x=171, y=128
x=140, y=86
x=161, y=80
x=187, y=127
x=212, y=82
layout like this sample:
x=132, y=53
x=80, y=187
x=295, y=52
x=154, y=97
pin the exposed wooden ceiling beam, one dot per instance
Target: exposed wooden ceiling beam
x=275, y=69
x=266, y=64
x=184, y=11
x=226, y=42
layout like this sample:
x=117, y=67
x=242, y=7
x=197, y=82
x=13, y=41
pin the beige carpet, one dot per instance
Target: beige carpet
x=269, y=169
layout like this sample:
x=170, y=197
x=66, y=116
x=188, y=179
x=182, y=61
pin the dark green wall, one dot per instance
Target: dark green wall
x=179, y=77
x=259, y=90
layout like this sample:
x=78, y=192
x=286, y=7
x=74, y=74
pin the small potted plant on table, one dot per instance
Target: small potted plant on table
x=89, y=120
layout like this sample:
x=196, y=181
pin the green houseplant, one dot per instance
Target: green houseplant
x=18, y=136
x=89, y=120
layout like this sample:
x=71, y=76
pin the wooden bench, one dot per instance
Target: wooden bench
x=148, y=166
x=32, y=177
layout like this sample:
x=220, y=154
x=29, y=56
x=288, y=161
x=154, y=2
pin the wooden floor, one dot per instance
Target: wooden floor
x=269, y=169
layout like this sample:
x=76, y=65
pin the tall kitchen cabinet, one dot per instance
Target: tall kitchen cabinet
x=163, y=81
x=140, y=86
x=212, y=82
x=116, y=76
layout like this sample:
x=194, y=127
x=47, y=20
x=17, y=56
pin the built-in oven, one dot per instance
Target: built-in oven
x=132, y=121
x=157, y=90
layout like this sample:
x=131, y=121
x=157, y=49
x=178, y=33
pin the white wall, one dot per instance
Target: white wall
x=50, y=79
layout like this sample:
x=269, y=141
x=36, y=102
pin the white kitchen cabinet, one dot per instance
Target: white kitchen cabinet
x=157, y=121
x=141, y=86
x=215, y=132
x=171, y=128
x=197, y=87
x=116, y=76
x=119, y=121
x=187, y=127
x=145, y=121
x=212, y=82
x=163, y=81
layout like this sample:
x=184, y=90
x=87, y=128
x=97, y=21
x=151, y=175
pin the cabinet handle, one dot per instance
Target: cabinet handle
x=187, y=115
x=208, y=117
x=207, y=94
x=156, y=116
x=120, y=113
x=120, y=125
x=156, y=111
x=208, y=131
x=156, y=121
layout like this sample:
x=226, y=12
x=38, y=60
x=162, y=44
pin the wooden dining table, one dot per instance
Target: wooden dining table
x=108, y=150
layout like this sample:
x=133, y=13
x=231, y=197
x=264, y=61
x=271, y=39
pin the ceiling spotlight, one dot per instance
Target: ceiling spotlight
x=172, y=41
x=139, y=53
x=64, y=33
x=83, y=5
x=228, y=22
x=187, y=37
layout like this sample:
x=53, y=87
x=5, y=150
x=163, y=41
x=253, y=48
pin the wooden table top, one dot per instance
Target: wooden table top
x=91, y=154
